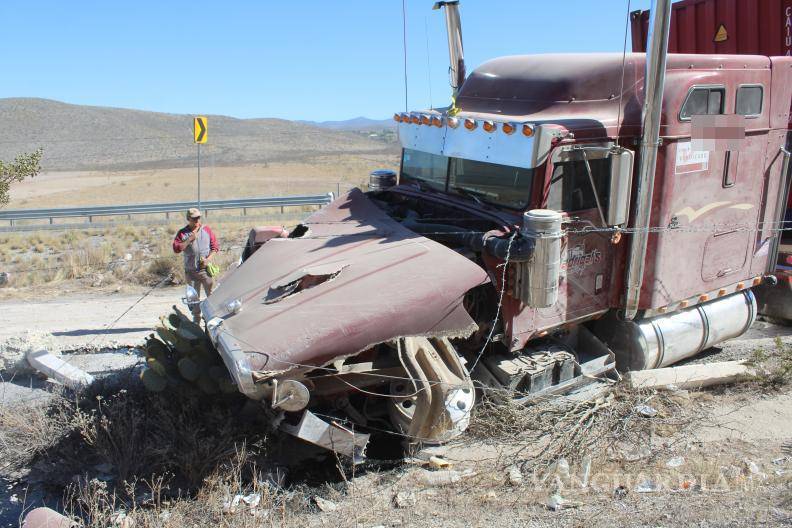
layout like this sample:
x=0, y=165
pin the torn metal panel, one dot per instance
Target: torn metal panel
x=329, y=435
x=355, y=278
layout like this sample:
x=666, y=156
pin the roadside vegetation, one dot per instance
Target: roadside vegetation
x=127, y=256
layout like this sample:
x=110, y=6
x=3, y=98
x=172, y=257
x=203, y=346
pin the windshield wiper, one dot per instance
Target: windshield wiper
x=471, y=193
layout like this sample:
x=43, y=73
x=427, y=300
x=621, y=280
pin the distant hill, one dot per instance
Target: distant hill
x=362, y=124
x=76, y=137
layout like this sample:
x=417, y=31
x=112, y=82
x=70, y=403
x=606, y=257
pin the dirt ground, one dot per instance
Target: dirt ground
x=720, y=457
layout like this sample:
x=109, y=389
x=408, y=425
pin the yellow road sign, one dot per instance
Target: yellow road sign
x=721, y=35
x=200, y=129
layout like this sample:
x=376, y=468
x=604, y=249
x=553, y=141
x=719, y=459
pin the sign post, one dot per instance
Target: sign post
x=199, y=137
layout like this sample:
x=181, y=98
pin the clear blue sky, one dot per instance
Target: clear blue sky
x=316, y=60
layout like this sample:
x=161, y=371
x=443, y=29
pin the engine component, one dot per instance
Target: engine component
x=536, y=280
x=381, y=180
x=666, y=339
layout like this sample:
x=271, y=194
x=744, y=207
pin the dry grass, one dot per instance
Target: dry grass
x=315, y=175
x=126, y=255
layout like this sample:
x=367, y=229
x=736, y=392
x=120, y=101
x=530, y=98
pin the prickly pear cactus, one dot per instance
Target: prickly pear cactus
x=180, y=355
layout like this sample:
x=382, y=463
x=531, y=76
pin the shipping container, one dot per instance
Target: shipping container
x=755, y=27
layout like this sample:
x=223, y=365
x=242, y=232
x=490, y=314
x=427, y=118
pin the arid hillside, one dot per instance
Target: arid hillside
x=76, y=137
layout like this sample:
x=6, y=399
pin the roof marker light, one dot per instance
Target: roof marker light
x=415, y=120
x=508, y=128
x=489, y=126
x=453, y=122
x=437, y=121
x=528, y=130
x=405, y=117
x=470, y=124
x=426, y=120
x=397, y=118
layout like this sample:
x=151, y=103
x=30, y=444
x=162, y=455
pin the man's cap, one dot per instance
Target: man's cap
x=192, y=212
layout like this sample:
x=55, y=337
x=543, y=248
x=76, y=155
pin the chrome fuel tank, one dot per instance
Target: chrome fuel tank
x=667, y=339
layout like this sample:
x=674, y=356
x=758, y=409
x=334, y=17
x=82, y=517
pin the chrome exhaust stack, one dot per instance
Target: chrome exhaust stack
x=456, y=69
x=654, y=82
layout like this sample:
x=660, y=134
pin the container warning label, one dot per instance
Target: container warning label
x=689, y=160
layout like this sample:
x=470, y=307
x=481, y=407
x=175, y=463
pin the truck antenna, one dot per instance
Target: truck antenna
x=621, y=88
x=404, y=49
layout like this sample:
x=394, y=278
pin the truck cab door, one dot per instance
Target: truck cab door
x=579, y=187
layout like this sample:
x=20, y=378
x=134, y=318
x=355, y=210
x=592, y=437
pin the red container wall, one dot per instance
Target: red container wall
x=753, y=27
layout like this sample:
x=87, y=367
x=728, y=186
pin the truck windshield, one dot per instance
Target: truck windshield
x=485, y=182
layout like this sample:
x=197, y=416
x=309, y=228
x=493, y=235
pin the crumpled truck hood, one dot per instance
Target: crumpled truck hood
x=355, y=279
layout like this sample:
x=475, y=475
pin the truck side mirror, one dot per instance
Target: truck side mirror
x=621, y=169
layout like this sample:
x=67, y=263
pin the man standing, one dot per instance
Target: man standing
x=198, y=245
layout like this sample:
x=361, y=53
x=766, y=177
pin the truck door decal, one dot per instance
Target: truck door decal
x=689, y=160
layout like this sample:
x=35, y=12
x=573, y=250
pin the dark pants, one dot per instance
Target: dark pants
x=196, y=280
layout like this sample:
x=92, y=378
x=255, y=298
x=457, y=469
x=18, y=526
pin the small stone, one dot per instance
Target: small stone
x=325, y=505
x=620, y=492
x=515, y=476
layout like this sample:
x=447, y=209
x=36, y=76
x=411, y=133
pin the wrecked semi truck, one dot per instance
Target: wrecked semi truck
x=551, y=225
x=747, y=27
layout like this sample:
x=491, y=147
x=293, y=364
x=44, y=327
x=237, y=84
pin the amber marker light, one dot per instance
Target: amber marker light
x=397, y=118
x=489, y=126
x=528, y=130
x=508, y=128
x=453, y=122
x=470, y=124
x=415, y=120
x=425, y=120
x=436, y=121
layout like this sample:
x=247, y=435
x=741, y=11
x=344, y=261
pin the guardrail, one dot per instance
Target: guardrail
x=13, y=215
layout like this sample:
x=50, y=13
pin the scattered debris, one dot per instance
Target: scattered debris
x=4, y=278
x=404, y=499
x=691, y=376
x=620, y=492
x=752, y=468
x=436, y=462
x=249, y=502
x=675, y=462
x=646, y=411
x=647, y=486
x=330, y=435
x=586, y=465
x=56, y=368
x=325, y=505
x=556, y=502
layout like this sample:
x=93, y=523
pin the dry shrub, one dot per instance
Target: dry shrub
x=774, y=366
x=548, y=429
x=145, y=504
x=28, y=430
